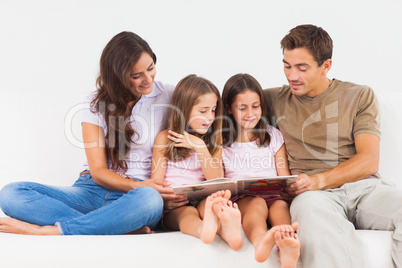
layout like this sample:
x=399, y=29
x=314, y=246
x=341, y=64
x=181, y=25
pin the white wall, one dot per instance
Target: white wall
x=49, y=53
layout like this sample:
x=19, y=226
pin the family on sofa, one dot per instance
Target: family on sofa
x=142, y=137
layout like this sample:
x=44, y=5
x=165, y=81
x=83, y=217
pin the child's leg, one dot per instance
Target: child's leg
x=279, y=213
x=210, y=222
x=285, y=238
x=185, y=219
x=230, y=223
x=254, y=213
x=254, y=217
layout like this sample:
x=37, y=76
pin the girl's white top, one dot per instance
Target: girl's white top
x=187, y=171
x=246, y=159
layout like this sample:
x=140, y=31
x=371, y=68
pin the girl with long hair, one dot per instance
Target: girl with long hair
x=190, y=151
x=253, y=148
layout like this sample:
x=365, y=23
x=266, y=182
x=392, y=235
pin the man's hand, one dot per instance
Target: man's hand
x=303, y=184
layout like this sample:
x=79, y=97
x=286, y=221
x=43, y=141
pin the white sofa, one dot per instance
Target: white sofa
x=173, y=249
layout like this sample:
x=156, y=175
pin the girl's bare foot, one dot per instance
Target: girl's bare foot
x=295, y=226
x=210, y=222
x=227, y=194
x=289, y=249
x=14, y=226
x=222, y=193
x=264, y=244
x=230, y=219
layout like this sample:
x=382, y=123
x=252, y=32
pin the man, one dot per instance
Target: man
x=332, y=136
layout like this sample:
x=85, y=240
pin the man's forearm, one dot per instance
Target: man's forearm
x=359, y=167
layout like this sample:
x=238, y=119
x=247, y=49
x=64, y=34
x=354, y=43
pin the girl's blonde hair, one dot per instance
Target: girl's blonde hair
x=185, y=96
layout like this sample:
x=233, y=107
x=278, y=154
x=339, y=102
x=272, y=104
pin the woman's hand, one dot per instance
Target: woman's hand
x=170, y=199
x=186, y=140
x=160, y=186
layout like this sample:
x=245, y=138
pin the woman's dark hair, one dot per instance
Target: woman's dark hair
x=114, y=99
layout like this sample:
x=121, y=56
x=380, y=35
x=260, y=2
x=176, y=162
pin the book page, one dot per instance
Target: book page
x=202, y=190
x=264, y=185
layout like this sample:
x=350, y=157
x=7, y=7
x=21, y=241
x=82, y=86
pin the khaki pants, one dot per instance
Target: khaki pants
x=328, y=220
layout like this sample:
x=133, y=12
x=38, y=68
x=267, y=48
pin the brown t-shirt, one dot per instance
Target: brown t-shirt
x=319, y=132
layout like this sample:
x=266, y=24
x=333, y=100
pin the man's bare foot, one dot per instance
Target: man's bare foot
x=289, y=249
x=230, y=219
x=210, y=222
x=143, y=230
x=264, y=244
x=14, y=226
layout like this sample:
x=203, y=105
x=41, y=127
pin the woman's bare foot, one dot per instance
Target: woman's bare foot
x=230, y=219
x=264, y=244
x=143, y=230
x=210, y=222
x=289, y=249
x=14, y=226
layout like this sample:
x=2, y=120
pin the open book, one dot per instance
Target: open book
x=252, y=185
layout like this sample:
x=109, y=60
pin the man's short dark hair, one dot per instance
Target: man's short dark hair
x=315, y=39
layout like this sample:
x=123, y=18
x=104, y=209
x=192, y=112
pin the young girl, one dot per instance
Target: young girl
x=189, y=151
x=252, y=148
x=113, y=194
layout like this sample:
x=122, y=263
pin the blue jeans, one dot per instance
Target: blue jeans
x=84, y=208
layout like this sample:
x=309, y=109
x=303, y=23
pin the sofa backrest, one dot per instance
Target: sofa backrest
x=391, y=141
x=35, y=145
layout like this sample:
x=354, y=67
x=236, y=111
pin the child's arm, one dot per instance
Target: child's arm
x=159, y=162
x=281, y=162
x=211, y=164
x=282, y=168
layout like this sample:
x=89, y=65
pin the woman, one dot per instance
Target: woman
x=113, y=194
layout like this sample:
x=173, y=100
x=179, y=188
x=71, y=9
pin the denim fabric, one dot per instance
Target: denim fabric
x=85, y=208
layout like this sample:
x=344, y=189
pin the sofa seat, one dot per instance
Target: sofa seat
x=169, y=249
